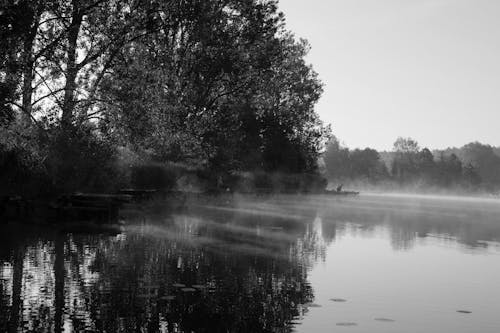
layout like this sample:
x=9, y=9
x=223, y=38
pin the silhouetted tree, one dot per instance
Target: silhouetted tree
x=470, y=176
x=220, y=84
x=404, y=165
x=366, y=163
x=412, y=166
x=426, y=167
x=449, y=169
x=224, y=83
x=336, y=159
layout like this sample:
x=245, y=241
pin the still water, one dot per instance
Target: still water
x=287, y=264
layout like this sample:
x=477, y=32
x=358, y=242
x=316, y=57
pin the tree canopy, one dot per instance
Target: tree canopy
x=221, y=84
x=472, y=167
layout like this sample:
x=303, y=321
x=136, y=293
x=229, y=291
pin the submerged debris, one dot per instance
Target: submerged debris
x=464, y=311
x=187, y=290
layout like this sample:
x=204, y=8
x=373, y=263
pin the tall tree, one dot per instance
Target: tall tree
x=405, y=156
x=336, y=159
x=215, y=77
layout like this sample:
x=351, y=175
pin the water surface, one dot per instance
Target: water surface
x=284, y=264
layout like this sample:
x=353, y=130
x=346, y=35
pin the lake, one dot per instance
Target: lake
x=373, y=263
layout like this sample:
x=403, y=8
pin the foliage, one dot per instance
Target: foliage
x=483, y=158
x=412, y=166
x=221, y=85
x=226, y=88
x=78, y=159
x=342, y=163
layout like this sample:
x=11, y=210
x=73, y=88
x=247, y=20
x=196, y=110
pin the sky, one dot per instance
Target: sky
x=425, y=69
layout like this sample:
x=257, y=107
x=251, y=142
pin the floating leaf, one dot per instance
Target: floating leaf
x=388, y=320
x=346, y=324
x=338, y=300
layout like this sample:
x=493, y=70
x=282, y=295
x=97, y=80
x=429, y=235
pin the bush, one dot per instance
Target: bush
x=80, y=160
x=20, y=178
x=22, y=171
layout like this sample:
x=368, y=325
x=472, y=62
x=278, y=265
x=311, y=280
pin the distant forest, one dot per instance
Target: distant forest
x=473, y=167
x=88, y=88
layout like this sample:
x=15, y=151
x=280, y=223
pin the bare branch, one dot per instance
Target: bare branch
x=49, y=46
x=59, y=103
x=53, y=19
x=52, y=93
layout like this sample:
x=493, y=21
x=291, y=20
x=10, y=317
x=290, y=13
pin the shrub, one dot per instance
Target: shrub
x=81, y=160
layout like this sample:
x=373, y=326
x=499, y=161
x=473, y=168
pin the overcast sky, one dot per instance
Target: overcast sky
x=428, y=69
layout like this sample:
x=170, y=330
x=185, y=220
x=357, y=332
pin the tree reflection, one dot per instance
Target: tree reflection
x=236, y=268
x=208, y=271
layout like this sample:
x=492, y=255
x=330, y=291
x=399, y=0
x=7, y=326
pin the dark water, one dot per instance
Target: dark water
x=288, y=264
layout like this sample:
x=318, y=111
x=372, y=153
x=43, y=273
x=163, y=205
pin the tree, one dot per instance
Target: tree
x=290, y=94
x=366, y=164
x=470, y=176
x=406, y=146
x=65, y=49
x=336, y=159
x=485, y=161
x=219, y=84
x=18, y=20
x=449, y=169
x=223, y=83
x=405, y=156
x=426, y=165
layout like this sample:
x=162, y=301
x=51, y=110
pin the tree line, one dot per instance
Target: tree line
x=221, y=85
x=474, y=166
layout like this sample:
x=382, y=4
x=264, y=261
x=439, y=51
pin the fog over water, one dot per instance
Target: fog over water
x=377, y=263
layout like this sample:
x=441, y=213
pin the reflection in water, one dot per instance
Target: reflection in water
x=233, y=268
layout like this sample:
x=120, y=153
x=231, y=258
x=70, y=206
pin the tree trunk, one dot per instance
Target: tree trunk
x=28, y=62
x=71, y=67
x=27, y=78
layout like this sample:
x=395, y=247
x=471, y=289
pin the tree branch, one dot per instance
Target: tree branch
x=52, y=93
x=26, y=112
x=50, y=89
x=53, y=19
x=49, y=46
